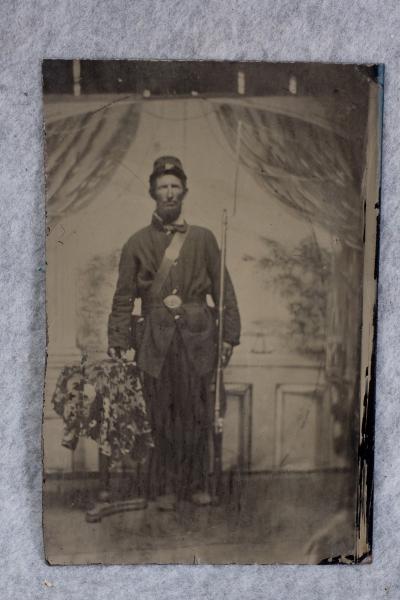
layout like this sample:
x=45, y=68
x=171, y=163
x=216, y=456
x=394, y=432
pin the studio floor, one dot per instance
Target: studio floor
x=263, y=518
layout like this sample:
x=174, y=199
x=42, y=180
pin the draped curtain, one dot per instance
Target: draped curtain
x=312, y=169
x=309, y=168
x=82, y=152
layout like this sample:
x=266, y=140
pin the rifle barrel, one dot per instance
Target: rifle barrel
x=218, y=382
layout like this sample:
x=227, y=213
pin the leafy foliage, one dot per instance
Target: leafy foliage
x=95, y=285
x=302, y=278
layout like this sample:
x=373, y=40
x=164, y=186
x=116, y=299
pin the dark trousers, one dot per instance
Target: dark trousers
x=180, y=407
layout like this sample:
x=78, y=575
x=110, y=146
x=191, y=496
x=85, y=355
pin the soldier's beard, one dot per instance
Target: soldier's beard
x=169, y=213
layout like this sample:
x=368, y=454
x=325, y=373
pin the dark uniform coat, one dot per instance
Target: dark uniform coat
x=175, y=348
x=194, y=275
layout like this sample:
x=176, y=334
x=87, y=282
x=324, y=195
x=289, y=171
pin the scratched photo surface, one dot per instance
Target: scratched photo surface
x=211, y=239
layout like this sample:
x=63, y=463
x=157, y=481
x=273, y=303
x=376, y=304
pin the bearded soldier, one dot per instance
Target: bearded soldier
x=172, y=267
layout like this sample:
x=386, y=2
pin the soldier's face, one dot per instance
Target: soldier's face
x=169, y=194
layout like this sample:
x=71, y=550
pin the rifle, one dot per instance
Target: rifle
x=219, y=382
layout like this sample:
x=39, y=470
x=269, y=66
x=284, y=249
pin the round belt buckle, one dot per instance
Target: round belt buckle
x=172, y=301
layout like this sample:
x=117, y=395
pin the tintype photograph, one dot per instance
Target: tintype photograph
x=210, y=296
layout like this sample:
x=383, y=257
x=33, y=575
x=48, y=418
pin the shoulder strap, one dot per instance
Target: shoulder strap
x=171, y=254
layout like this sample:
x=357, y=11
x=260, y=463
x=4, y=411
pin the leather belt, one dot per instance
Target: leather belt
x=176, y=302
x=172, y=301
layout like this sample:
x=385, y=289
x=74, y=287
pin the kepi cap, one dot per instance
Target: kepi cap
x=168, y=164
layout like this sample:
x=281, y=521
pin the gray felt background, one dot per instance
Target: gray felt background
x=341, y=31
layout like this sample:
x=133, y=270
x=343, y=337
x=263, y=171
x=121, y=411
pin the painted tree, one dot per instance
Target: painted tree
x=302, y=277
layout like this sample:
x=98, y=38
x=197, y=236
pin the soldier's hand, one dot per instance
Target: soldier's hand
x=227, y=350
x=116, y=353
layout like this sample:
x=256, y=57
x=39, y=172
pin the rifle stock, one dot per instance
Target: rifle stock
x=218, y=420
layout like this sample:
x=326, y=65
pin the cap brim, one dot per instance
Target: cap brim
x=172, y=171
